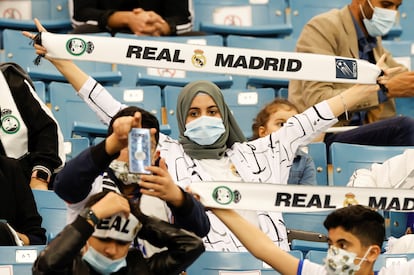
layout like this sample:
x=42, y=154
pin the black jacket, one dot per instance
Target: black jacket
x=17, y=204
x=43, y=132
x=62, y=255
x=176, y=12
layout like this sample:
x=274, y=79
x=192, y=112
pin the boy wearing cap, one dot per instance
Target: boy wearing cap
x=98, y=242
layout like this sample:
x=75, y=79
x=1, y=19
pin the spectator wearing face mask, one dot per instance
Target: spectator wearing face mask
x=355, y=237
x=355, y=31
x=99, y=242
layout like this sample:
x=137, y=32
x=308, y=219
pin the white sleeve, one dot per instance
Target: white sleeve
x=398, y=268
x=310, y=268
x=100, y=100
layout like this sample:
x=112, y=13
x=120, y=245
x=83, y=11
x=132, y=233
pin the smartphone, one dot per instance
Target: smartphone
x=139, y=147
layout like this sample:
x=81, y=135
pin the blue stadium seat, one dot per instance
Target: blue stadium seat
x=259, y=43
x=133, y=75
x=312, y=233
x=77, y=119
x=316, y=256
x=246, y=103
x=53, y=212
x=40, y=89
x=213, y=263
x=18, y=15
x=242, y=17
x=317, y=150
x=406, y=20
x=346, y=158
x=17, y=49
x=68, y=107
x=73, y=146
x=18, y=259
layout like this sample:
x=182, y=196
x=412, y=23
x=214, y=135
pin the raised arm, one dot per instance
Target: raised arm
x=258, y=243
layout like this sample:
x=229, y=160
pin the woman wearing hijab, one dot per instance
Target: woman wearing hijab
x=211, y=146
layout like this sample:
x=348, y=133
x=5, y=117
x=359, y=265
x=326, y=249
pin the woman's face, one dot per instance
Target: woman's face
x=202, y=105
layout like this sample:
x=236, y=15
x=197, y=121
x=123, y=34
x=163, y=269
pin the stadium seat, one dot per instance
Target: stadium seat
x=346, y=158
x=316, y=256
x=18, y=259
x=18, y=15
x=214, y=262
x=18, y=49
x=133, y=75
x=306, y=231
x=77, y=119
x=40, y=89
x=242, y=17
x=317, y=150
x=246, y=103
x=259, y=43
x=73, y=146
x=406, y=20
x=53, y=212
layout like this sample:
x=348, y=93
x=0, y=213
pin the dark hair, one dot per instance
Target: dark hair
x=363, y=222
x=148, y=120
x=272, y=107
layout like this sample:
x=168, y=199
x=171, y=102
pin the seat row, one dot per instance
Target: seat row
x=241, y=17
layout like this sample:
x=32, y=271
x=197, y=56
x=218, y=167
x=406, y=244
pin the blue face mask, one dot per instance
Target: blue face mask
x=101, y=263
x=381, y=22
x=205, y=130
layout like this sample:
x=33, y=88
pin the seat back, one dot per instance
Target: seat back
x=246, y=103
x=53, y=212
x=40, y=89
x=68, y=107
x=406, y=20
x=306, y=231
x=317, y=150
x=217, y=262
x=243, y=17
x=74, y=146
x=18, y=259
x=260, y=43
x=346, y=158
x=54, y=14
x=133, y=75
x=303, y=11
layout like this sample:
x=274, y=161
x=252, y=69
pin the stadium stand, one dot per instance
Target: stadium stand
x=317, y=150
x=73, y=146
x=242, y=17
x=18, y=15
x=217, y=262
x=18, y=259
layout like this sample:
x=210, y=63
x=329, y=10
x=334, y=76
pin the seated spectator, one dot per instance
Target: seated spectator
x=29, y=133
x=21, y=222
x=150, y=18
x=98, y=242
x=355, y=233
x=271, y=118
x=355, y=31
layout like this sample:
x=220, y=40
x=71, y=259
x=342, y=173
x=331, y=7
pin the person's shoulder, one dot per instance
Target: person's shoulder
x=333, y=15
x=405, y=268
